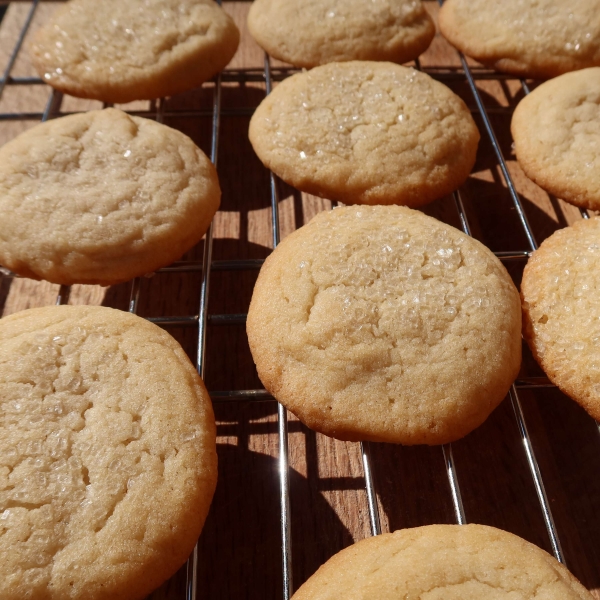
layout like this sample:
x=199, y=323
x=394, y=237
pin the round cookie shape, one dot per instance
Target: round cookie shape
x=312, y=32
x=561, y=311
x=539, y=39
x=443, y=562
x=556, y=130
x=380, y=323
x=366, y=133
x=117, y=51
x=102, y=197
x=107, y=455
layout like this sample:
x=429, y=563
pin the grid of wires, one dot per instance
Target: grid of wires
x=202, y=319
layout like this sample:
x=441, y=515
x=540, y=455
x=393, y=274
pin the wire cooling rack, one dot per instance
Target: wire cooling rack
x=462, y=73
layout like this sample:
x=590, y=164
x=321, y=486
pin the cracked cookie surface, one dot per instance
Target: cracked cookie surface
x=443, y=562
x=540, y=39
x=118, y=51
x=107, y=455
x=556, y=130
x=102, y=197
x=561, y=312
x=307, y=33
x=380, y=323
x=366, y=133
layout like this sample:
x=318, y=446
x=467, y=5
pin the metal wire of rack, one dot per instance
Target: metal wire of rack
x=203, y=319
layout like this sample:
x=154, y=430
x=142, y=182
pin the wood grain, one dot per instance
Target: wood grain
x=240, y=548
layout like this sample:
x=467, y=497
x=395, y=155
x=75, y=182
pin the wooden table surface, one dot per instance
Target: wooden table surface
x=240, y=548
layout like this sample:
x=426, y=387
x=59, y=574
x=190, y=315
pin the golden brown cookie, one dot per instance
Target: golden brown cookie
x=539, y=39
x=102, y=197
x=366, y=133
x=443, y=562
x=561, y=311
x=118, y=51
x=107, y=455
x=380, y=323
x=307, y=33
x=556, y=130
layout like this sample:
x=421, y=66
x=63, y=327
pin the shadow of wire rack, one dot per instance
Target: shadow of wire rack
x=317, y=495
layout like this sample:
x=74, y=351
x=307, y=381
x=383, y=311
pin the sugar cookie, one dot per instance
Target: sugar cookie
x=443, y=562
x=539, y=39
x=380, y=323
x=102, y=197
x=556, y=130
x=307, y=33
x=366, y=133
x=561, y=311
x=107, y=455
x=118, y=51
